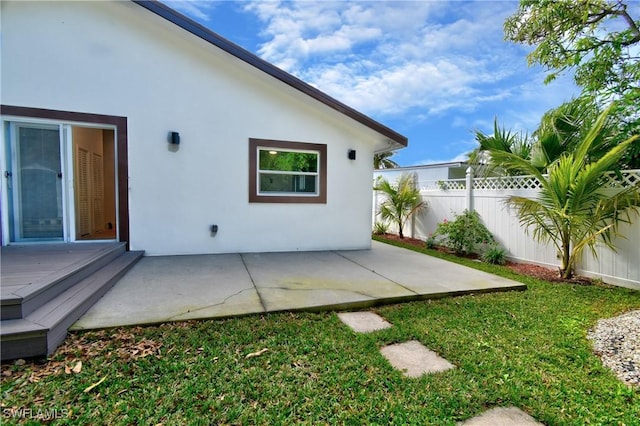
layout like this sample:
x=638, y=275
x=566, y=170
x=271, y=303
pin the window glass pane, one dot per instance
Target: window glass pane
x=270, y=182
x=39, y=198
x=288, y=161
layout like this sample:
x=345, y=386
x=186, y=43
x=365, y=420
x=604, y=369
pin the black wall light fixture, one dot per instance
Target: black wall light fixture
x=352, y=154
x=174, y=138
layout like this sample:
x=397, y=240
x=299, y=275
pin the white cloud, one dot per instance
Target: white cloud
x=459, y=121
x=302, y=30
x=460, y=157
x=388, y=58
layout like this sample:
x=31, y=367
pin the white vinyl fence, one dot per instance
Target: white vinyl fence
x=487, y=196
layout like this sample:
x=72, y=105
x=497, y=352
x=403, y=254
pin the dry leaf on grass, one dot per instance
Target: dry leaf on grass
x=90, y=388
x=254, y=354
x=121, y=343
x=142, y=349
x=75, y=369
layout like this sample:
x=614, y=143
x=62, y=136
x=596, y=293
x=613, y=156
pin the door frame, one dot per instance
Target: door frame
x=119, y=124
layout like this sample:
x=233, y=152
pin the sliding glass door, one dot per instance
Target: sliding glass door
x=36, y=183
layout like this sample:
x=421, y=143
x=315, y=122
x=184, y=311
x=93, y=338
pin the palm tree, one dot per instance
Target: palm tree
x=382, y=160
x=574, y=208
x=403, y=200
x=561, y=130
x=501, y=140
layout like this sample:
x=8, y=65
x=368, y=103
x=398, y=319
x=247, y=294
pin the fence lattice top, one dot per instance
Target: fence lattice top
x=624, y=179
x=443, y=185
x=509, y=182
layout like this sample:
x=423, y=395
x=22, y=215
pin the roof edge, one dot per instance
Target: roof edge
x=241, y=53
x=426, y=166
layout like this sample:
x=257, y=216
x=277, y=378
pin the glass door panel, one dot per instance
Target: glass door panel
x=37, y=189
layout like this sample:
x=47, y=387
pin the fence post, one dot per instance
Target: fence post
x=469, y=188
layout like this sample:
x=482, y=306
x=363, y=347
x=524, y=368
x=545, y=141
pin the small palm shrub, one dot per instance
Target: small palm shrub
x=380, y=228
x=494, y=255
x=402, y=200
x=463, y=234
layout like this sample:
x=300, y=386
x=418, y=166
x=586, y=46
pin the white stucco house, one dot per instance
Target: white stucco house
x=426, y=173
x=127, y=121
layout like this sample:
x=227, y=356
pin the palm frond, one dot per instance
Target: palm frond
x=382, y=160
x=502, y=140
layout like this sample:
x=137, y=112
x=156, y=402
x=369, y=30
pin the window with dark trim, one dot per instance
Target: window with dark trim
x=287, y=172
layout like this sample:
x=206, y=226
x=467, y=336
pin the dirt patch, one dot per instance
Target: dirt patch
x=406, y=240
x=536, y=271
x=547, y=274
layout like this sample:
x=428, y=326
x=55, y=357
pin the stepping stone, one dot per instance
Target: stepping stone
x=363, y=322
x=414, y=359
x=500, y=416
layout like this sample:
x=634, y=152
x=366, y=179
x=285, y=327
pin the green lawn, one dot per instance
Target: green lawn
x=525, y=349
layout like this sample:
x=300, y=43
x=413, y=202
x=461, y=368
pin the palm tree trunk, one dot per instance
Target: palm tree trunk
x=567, y=267
x=400, y=234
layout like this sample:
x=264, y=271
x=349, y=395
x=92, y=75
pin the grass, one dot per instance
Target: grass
x=525, y=349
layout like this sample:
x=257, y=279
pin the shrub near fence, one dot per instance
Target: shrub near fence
x=446, y=198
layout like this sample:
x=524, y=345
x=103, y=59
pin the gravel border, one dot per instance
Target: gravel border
x=617, y=341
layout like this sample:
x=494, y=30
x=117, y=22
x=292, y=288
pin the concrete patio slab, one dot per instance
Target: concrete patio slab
x=363, y=322
x=423, y=274
x=171, y=288
x=499, y=416
x=298, y=280
x=414, y=359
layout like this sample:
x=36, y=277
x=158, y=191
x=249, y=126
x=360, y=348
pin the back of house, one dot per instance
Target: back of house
x=127, y=121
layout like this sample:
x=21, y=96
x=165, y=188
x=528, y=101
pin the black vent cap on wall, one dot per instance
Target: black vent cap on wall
x=174, y=138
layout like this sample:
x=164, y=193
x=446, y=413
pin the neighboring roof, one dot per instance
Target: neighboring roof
x=204, y=33
x=451, y=164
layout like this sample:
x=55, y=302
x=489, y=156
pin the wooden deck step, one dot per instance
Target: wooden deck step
x=24, y=300
x=41, y=331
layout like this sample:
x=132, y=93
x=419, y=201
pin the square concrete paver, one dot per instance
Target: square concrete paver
x=363, y=322
x=414, y=359
x=500, y=416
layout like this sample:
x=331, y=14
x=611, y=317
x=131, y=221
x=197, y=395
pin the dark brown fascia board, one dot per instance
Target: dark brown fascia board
x=204, y=33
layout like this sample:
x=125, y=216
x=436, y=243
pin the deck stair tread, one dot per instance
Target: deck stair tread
x=45, y=327
x=35, y=289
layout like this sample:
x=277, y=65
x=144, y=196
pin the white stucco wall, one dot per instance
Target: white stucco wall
x=119, y=59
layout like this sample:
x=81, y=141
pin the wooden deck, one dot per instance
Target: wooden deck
x=24, y=268
x=47, y=287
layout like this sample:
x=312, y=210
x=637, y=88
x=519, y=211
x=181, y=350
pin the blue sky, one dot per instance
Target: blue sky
x=433, y=71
